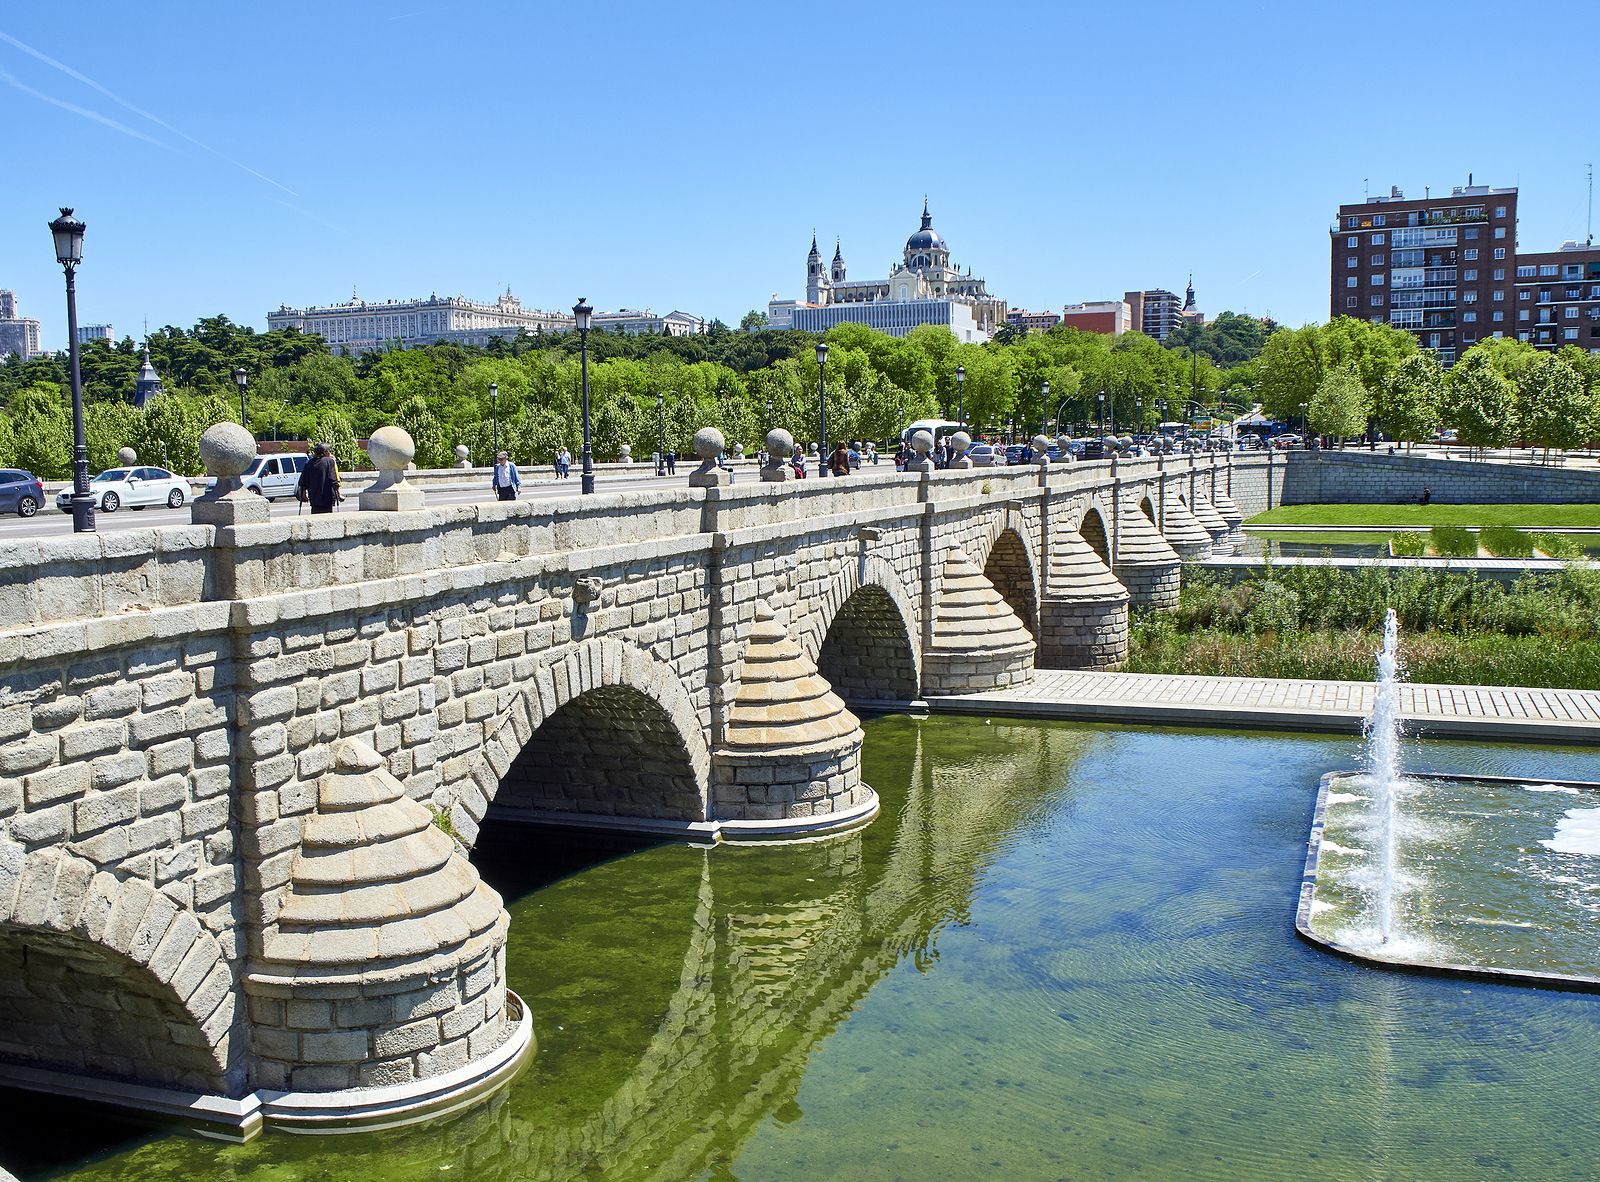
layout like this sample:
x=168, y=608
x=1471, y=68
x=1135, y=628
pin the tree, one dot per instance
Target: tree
x=1410, y=402
x=1556, y=409
x=1340, y=406
x=42, y=441
x=335, y=430
x=433, y=450
x=1481, y=401
x=752, y=321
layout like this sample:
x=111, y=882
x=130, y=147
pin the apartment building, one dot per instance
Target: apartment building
x=1443, y=268
x=1558, y=298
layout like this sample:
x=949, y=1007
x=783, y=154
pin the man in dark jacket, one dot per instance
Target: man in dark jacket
x=319, y=483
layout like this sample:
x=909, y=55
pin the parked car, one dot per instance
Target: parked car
x=21, y=492
x=985, y=455
x=137, y=488
x=274, y=476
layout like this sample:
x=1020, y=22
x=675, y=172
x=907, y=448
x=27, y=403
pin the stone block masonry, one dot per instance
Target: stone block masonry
x=175, y=704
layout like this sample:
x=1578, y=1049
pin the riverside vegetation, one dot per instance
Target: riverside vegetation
x=1306, y=621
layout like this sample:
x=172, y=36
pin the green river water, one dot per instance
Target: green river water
x=1060, y=952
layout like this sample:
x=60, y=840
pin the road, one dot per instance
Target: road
x=51, y=522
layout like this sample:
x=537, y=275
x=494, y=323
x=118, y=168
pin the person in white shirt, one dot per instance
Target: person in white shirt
x=506, y=483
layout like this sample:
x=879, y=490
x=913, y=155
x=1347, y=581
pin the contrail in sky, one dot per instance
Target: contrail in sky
x=11, y=80
x=121, y=102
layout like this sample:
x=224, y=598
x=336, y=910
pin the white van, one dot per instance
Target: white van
x=275, y=476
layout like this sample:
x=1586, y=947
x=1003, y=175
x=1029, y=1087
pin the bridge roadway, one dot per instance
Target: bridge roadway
x=243, y=767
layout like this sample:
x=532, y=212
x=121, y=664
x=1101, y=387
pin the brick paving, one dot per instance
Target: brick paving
x=1474, y=711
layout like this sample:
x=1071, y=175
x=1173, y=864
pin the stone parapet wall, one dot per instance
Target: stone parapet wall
x=1359, y=477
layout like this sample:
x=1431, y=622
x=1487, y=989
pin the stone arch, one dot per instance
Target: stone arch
x=863, y=636
x=1148, y=508
x=1093, y=530
x=604, y=728
x=107, y=976
x=1010, y=567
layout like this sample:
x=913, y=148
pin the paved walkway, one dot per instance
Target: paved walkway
x=1473, y=711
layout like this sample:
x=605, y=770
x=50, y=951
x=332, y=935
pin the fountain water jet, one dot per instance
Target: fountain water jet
x=1383, y=759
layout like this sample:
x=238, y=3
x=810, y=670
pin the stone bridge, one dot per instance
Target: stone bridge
x=242, y=768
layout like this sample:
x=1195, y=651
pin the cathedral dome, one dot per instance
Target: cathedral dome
x=926, y=237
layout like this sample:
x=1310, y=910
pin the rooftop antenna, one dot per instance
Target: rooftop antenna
x=1366, y=188
x=1590, y=231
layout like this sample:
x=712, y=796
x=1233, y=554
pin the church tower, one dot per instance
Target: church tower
x=816, y=275
x=838, y=263
x=1188, y=296
x=148, y=384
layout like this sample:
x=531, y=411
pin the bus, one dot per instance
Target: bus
x=940, y=429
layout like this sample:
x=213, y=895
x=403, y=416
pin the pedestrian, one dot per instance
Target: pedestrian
x=672, y=463
x=563, y=463
x=319, y=483
x=506, y=482
x=839, y=462
x=1427, y=495
x=798, y=460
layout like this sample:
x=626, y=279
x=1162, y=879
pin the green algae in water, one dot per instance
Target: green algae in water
x=1060, y=951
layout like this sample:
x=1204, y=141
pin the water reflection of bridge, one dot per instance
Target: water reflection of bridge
x=772, y=965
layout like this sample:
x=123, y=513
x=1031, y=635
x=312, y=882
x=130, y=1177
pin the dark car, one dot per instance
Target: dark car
x=1093, y=449
x=1014, y=453
x=20, y=492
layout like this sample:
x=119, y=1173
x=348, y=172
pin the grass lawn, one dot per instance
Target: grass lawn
x=1424, y=516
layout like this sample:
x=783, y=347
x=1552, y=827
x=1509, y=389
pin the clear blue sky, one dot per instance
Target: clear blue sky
x=231, y=157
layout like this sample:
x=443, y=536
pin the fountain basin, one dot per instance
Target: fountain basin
x=1498, y=879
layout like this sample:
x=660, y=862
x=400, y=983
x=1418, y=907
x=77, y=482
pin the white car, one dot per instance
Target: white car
x=136, y=488
x=275, y=476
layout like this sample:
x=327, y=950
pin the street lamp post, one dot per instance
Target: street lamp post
x=68, y=233
x=1138, y=414
x=822, y=408
x=1101, y=399
x=242, y=379
x=581, y=312
x=494, y=413
x=1044, y=407
x=961, y=395
x=661, y=434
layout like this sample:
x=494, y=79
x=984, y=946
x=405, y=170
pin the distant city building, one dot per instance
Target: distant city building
x=18, y=334
x=673, y=324
x=1155, y=312
x=1032, y=321
x=1110, y=317
x=95, y=332
x=1558, y=297
x=148, y=384
x=360, y=327
x=923, y=289
x=1439, y=267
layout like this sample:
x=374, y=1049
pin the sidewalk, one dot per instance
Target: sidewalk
x=1461, y=711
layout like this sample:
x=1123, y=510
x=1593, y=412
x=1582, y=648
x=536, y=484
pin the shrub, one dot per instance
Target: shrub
x=1453, y=541
x=1559, y=545
x=1504, y=541
x=1407, y=544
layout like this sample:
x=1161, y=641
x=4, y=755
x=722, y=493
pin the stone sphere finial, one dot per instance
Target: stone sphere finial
x=961, y=441
x=461, y=451
x=922, y=442
x=391, y=448
x=127, y=457
x=709, y=444
x=227, y=449
x=1040, y=443
x=779, y=443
